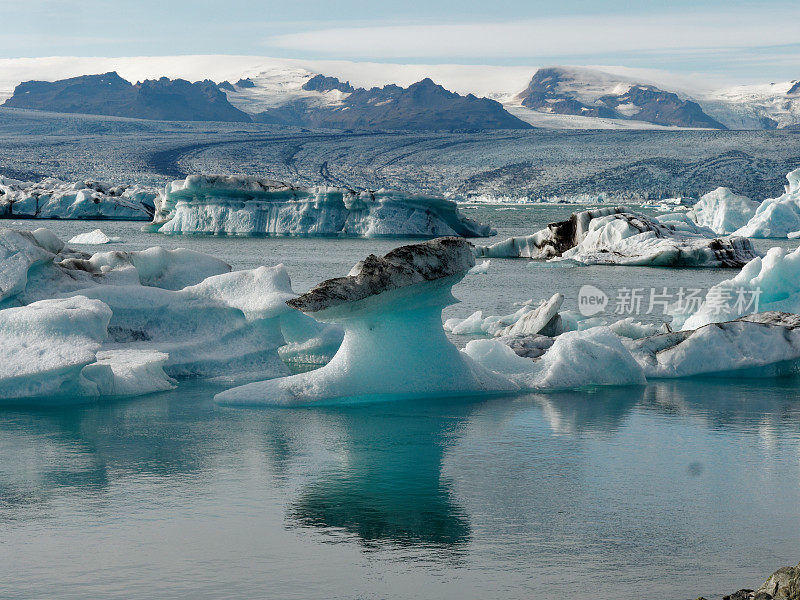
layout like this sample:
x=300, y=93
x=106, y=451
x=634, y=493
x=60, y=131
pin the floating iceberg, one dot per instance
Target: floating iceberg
x=54, y=199
x=481, y=268
x=153, y=314
x=394, y=345
x=771, y=283
x=575, y=359
x=52, y=348
x=92, y=238
x=615, y=236
x=763, y=344
x=777, y=217
x=530, y=319
x=230, y=205
x=722, y=211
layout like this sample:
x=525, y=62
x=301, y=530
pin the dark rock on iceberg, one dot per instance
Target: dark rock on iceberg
x=402, y=267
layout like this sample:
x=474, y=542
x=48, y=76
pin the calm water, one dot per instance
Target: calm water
x=672, y=490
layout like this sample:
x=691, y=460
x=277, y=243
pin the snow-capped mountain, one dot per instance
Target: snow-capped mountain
x=767, y=106
x=342, y=94
x=591, y=93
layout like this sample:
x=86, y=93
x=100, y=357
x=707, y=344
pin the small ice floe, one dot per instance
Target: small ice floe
x=93, y=238
x=480, y=268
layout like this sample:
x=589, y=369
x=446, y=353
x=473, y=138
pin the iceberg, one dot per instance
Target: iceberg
x=237, y=205
x=763, y=344
x=91, y=238
x=390, y=308
x=52, y=348
x=155, y=314
x=722, y=211
x=616, y=236
x=771, y=283
x=530, y=319
x=575, y=359
x=55, y=199
x=777, y=217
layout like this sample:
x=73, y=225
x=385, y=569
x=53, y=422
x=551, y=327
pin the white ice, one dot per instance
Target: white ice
x=767, y=345
x=55, y=199
x=52, y=348
x=617, y=236
x=233, y=205
x=723, y=211
x=173, y=313
x=777, y=217
x=95, y=237
x=771, y=283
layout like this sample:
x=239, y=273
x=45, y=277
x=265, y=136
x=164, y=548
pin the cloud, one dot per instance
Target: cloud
x=583, y=35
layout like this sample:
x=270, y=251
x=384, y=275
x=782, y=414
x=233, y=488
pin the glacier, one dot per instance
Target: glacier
x=141, y=319
x=54, y=199
x=238, y=205
x=722, y=211
x=617, y=236
x=777, y=217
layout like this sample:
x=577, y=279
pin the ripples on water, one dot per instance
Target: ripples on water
x=672, y=490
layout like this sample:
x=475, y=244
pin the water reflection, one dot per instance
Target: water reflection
x=379, y=473
x=388, y=486
x=601, y=409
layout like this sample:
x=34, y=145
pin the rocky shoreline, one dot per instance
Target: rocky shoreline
x=783, y=584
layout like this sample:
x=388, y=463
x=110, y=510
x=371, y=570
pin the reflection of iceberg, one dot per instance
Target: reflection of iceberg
x=389, y=487
x=394, y=344
x=606, y=410
x=616, y=236
x=229, y=205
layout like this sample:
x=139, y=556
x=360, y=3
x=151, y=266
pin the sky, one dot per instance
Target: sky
x=731, y=41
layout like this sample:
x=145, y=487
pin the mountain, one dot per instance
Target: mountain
x=591, y=93
x=296, y=98
x=421, y=106
x=111, y=95
x=765, y=106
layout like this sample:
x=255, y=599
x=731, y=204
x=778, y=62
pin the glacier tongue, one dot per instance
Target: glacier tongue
x=237, y=205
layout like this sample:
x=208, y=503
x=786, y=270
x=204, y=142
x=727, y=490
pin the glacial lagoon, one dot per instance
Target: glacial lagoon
x=671, y=490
